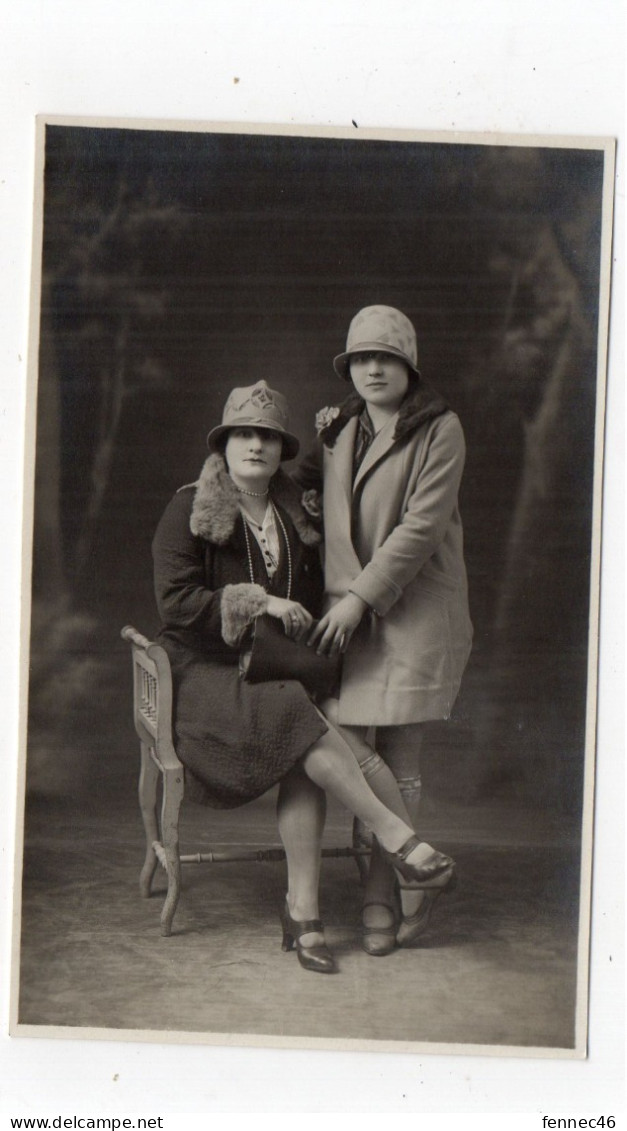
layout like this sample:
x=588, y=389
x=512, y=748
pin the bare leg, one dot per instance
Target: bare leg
x=301, y=812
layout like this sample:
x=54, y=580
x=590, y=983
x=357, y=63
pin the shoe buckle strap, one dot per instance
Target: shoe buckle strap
x=408, y=847
x=307, y=926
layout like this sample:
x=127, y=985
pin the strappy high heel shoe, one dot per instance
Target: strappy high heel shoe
x=317, y=958
x=413, y=926
x=434, y=872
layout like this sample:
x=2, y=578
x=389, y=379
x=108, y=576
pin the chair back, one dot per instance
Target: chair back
x=152, y=695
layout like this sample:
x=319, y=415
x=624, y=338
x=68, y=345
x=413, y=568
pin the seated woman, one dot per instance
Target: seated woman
x=233, y=546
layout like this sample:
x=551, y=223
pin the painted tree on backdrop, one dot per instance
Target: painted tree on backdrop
x=107, y=298
x=543, y=365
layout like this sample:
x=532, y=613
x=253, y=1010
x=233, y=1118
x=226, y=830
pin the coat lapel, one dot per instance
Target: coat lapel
x=342, y=458
x=381, y=444
x=341, y=561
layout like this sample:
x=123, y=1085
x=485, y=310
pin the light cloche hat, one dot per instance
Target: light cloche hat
x=381, y=328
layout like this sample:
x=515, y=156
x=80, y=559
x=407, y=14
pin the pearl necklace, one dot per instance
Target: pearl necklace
x=251, y=570
x=253, y=494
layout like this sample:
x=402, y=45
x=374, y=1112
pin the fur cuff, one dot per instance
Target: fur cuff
x=239, y=606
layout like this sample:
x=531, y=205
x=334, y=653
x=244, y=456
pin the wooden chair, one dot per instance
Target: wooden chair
x=152, y=716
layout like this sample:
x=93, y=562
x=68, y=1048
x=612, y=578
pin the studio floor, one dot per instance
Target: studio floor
x=497, y=965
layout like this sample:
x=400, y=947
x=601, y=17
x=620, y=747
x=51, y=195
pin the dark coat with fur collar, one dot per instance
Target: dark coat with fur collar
x=237, y=738
x=393, y=535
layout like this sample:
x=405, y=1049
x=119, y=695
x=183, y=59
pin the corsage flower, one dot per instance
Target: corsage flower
x=325, y=417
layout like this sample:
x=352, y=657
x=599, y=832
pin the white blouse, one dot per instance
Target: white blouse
x=267, y=537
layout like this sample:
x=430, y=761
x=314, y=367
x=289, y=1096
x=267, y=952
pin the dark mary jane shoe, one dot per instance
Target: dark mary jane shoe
x=378, y=941
x=434, y=872
x=413, y=926
x=317, y=958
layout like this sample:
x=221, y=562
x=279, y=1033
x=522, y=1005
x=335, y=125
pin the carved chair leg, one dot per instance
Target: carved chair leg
x=172, y=798
x=148, y=779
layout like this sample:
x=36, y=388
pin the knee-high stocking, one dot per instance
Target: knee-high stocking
x=380, y=891
x=331, y=764
x=400, y=747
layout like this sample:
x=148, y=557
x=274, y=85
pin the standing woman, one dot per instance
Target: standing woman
x=231, y=547
x=391, y=458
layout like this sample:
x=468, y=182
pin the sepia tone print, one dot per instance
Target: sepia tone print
x=179, y=263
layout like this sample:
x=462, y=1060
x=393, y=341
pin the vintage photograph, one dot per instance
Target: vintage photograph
x=315, y=469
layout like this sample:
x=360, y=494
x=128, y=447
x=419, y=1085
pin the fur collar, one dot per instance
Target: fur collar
x=421, y=404
x=215, y=508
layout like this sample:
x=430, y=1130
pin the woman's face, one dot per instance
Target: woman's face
x=252, y=456
x=380, y=378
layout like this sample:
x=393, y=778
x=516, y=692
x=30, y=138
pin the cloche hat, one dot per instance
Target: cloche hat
x=256, y=406
x=380, y=328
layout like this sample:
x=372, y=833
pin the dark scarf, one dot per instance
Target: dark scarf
x=422, y=403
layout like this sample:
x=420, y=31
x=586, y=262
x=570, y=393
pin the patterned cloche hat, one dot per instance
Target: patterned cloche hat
x=379, y=328
x=256, y=406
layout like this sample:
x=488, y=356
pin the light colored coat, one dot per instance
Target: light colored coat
x=405, y=559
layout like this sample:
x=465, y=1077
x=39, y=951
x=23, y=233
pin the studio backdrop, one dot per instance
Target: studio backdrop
x=179, y=262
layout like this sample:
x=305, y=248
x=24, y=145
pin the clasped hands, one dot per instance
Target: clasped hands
x=331, y=634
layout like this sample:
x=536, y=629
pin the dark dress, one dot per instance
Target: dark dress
x=237, y=738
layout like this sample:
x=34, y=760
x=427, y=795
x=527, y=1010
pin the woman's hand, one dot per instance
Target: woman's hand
x=296, y=620
x=332, y=634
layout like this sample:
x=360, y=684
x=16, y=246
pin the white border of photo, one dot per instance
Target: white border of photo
x=511, y=69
